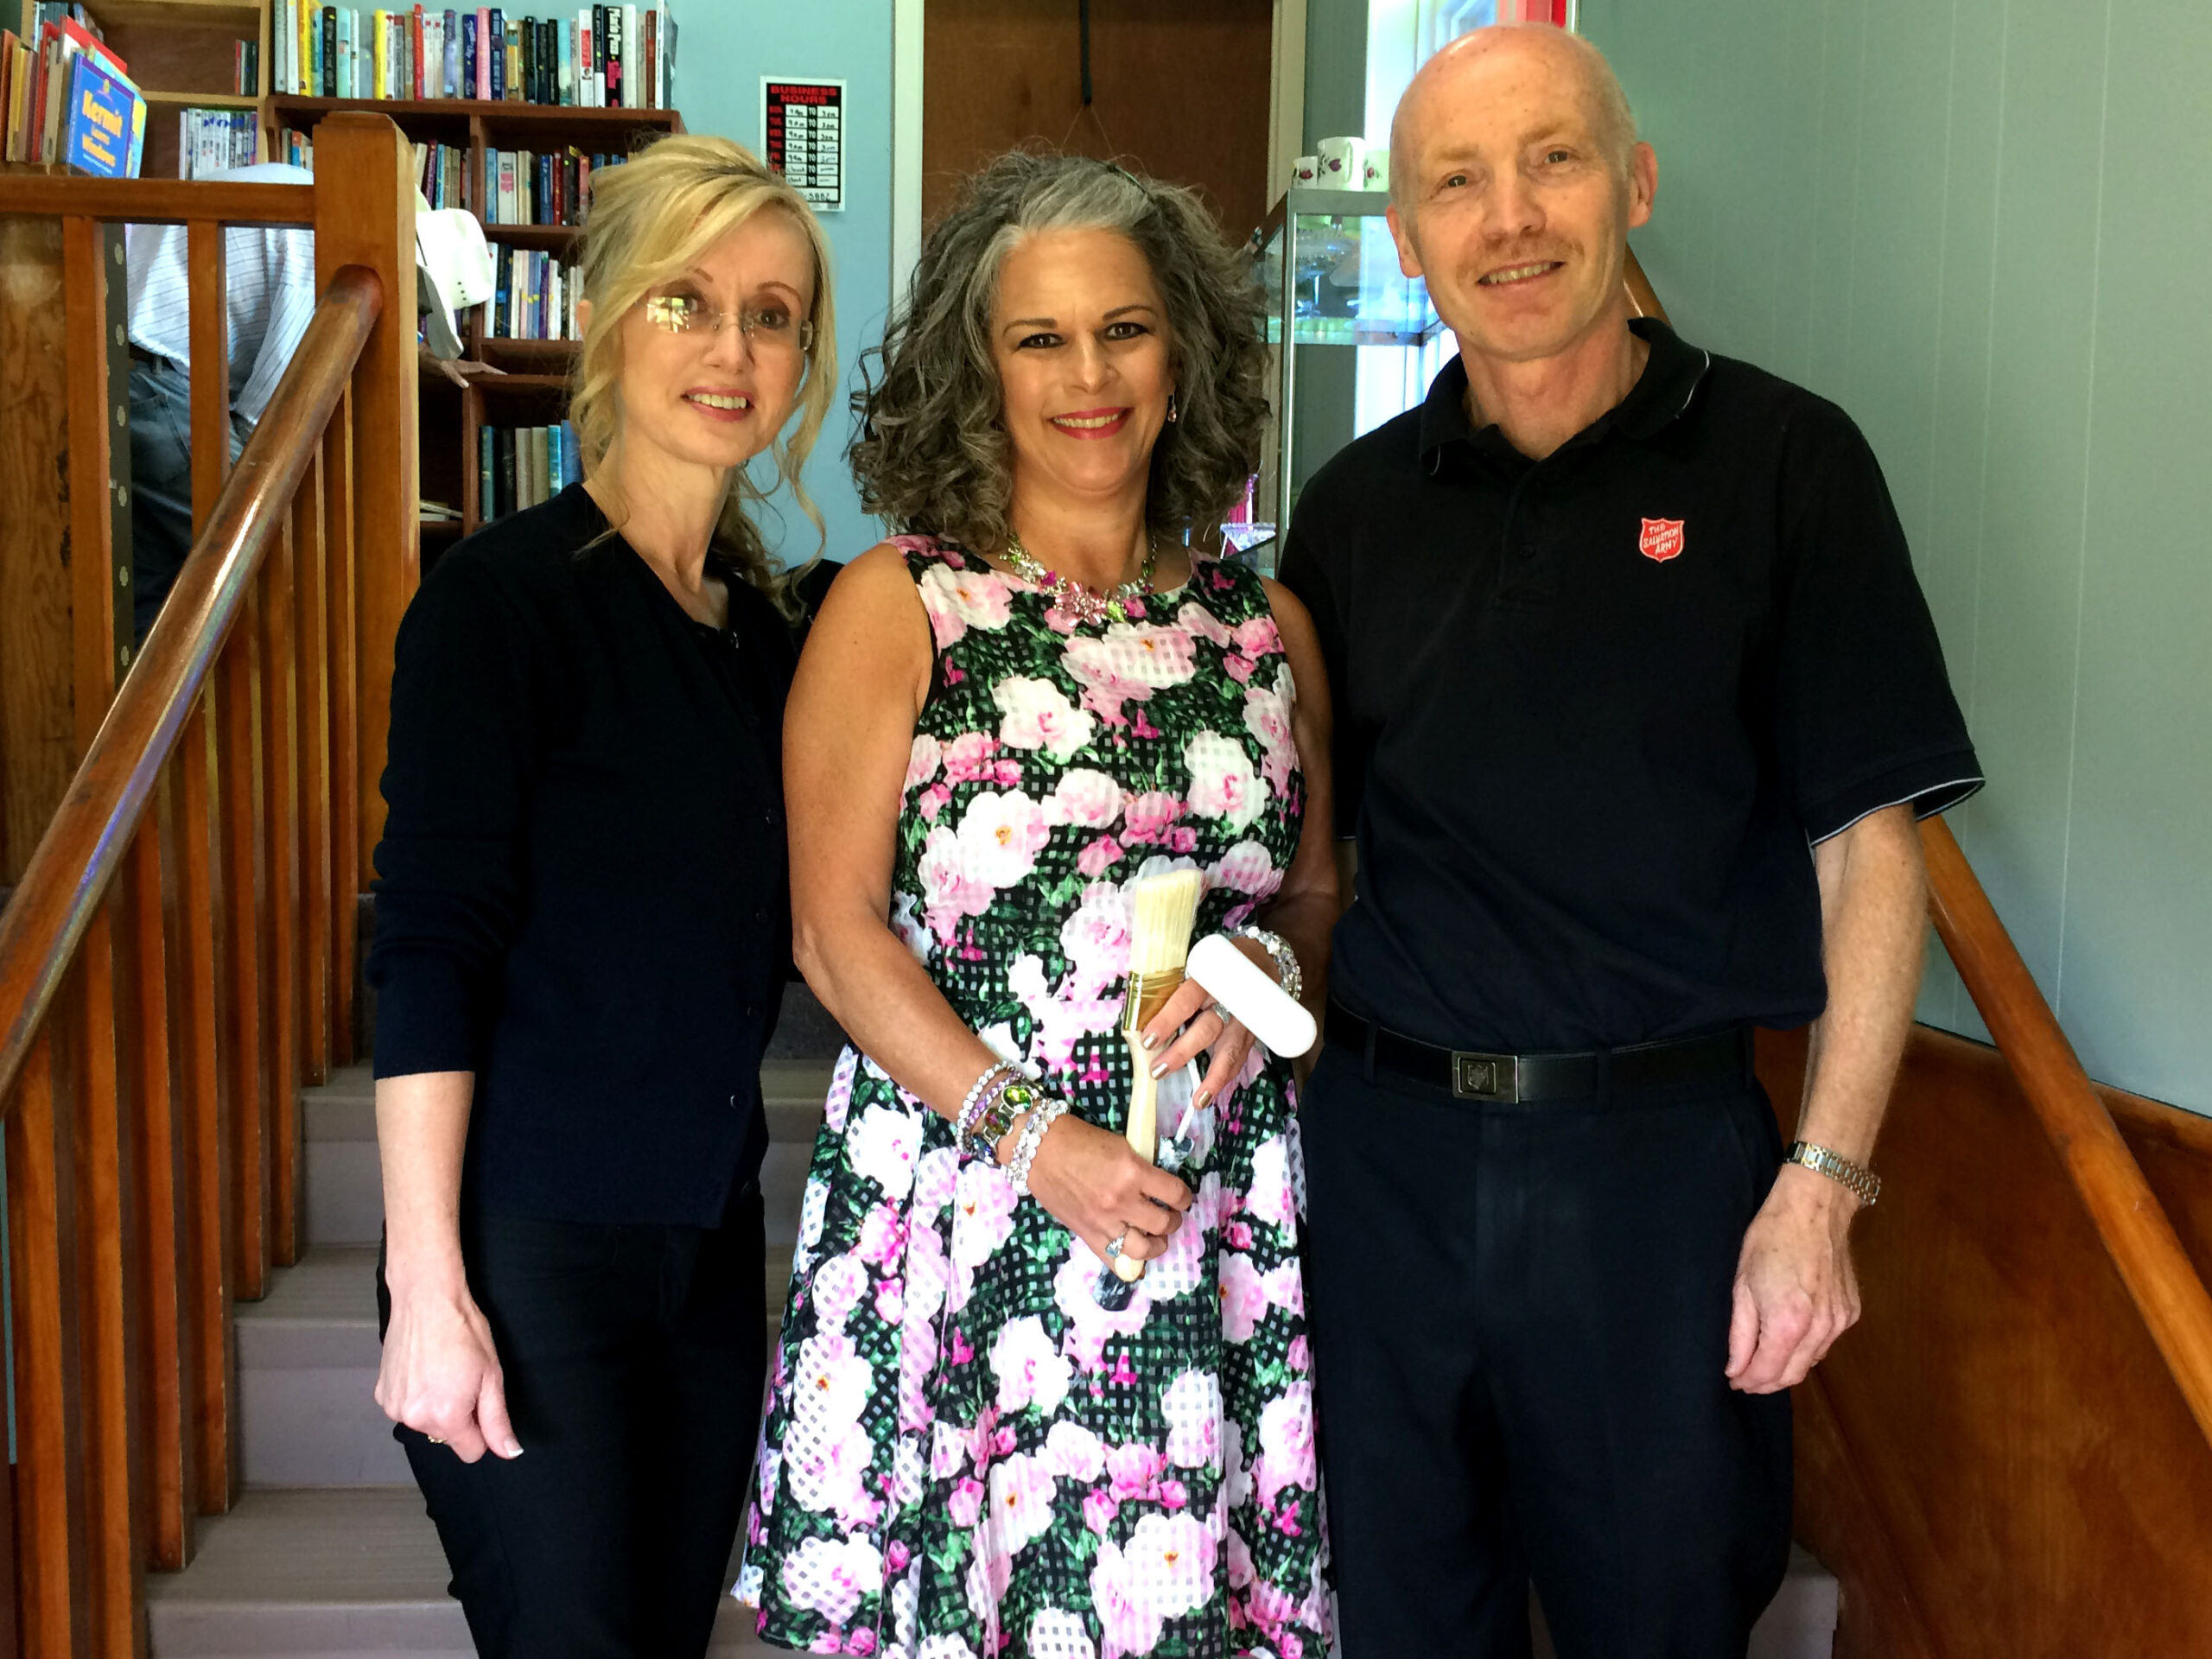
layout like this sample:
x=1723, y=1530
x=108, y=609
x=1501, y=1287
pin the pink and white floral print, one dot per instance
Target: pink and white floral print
x=965, y=1457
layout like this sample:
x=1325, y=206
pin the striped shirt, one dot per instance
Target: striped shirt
x=270, y=274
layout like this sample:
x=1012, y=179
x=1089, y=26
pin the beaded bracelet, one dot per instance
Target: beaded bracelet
x=1288, y=975
x=998, y=1073
x=998, y=1118
x=1032, y=1137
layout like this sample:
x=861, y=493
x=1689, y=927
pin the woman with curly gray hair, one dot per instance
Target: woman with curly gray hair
x=1037, y=694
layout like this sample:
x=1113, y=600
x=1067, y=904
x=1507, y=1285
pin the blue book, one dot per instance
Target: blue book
x=498, y=43
x=449, y=72
x=565, y=79
x=468, y=58
x=572, y=456
x=105, y=132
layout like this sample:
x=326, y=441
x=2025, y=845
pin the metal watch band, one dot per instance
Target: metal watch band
x=1859, y=1179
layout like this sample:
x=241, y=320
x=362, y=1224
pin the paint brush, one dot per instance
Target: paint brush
x=1166, y=908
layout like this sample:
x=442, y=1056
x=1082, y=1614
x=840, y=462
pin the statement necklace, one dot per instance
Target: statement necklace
x=1071, y=596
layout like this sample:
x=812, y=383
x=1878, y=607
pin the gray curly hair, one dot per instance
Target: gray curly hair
x=932, y=455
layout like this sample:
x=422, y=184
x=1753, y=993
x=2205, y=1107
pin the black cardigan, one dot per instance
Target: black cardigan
x=580, y=892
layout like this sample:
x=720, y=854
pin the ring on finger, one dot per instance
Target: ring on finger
x=1114, y=1245
x=1221, y=1014
x=435, y=1439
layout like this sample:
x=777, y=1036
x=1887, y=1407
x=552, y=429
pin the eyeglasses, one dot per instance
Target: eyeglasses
x=765, y=327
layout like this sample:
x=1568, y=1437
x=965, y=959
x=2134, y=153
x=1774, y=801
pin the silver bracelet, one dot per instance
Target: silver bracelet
x=972, y=1107
x=1032, y=1137
x=1288, y=975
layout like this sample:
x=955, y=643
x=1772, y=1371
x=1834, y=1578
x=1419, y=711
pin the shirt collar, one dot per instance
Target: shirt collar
x=1672, y=374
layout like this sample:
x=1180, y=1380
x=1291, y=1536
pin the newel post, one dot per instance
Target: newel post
x=365, y=215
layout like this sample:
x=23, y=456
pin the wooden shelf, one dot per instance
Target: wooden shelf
x=525, y=383
x=557, y=237
x=287, y=109
x=225, y=15
x=202, y=100
x=500, y=350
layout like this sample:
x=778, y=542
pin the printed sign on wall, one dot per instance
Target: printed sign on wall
x=803, y=128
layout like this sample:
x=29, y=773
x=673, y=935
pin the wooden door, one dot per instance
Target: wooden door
x=1178, y=90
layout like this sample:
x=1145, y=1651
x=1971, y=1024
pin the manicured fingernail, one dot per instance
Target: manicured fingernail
x=1151, y=1042
x=1203, y=1099
x=1160, y=1071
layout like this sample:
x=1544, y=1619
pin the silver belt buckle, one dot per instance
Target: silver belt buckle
x=1486, y=1076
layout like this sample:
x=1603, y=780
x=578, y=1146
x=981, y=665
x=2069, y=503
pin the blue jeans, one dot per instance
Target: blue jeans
x=161, y=484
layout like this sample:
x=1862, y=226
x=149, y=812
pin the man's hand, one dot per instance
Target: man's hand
x=1796, y=1289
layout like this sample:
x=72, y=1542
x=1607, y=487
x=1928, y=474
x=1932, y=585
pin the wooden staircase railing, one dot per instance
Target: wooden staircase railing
x=176, y=958
x=2161, y=1280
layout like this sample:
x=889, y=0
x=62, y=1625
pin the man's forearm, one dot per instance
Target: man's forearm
x=1873, y=921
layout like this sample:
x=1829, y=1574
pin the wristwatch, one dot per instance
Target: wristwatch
x=1861, y=1180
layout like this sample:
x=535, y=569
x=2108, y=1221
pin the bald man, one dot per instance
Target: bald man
x=1637, y=700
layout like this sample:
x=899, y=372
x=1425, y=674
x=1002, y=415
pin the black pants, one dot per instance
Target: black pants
x=632, y=1357
x=1520, y=1320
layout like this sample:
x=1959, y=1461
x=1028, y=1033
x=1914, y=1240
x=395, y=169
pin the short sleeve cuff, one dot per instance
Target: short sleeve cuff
x=425, y=1017
x=1931, y=784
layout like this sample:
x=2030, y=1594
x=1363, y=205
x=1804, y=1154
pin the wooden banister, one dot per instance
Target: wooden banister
x=66, y=881
x=2133, y=1226
x=184, y=834
x=161, y=201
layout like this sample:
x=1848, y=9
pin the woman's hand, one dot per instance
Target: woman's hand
x=1093, y=1183
x=1192, y=1009
x=440, y=1374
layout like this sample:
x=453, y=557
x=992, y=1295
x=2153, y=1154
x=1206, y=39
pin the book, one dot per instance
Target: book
x=380, y=50
x=311, y=60
x=618, y=92
x=104, y=131
x=600, y=99
x=450, y=26
x=328, y=52
x=631, y=59
x=416, y=56
x=496, y=35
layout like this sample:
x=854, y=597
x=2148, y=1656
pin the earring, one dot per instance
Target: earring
x=1172, y=411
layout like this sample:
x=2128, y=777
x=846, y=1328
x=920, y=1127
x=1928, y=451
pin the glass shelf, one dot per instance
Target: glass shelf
x=1331, y=252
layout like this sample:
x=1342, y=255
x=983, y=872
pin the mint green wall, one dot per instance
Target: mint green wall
x=1985, y=228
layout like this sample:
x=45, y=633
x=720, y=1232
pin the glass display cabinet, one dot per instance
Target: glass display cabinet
x=1354, y=342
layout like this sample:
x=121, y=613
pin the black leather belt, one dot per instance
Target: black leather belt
x=1511, y=1078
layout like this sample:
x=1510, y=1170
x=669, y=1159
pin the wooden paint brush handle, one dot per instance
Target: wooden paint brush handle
x=1143, y=1126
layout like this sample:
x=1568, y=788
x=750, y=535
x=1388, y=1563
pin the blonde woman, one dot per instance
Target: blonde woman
x=581, y=941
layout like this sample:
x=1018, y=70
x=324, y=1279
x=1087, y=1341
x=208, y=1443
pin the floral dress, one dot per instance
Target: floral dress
x=963, y=1455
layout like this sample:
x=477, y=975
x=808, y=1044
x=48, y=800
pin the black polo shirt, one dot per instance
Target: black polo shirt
x=1592, y=711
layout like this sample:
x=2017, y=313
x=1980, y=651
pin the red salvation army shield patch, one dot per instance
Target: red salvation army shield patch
x=1661, y=539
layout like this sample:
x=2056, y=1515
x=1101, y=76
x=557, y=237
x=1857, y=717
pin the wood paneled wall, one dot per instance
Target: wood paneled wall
x=1179, y=91
x=1995, y=1462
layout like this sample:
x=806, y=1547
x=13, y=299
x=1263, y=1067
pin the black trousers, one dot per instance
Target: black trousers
x=632, y=1357
x=1520, y=1318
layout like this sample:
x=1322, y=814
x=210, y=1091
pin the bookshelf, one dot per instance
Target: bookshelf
x=183, y=54
x=533, y=385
